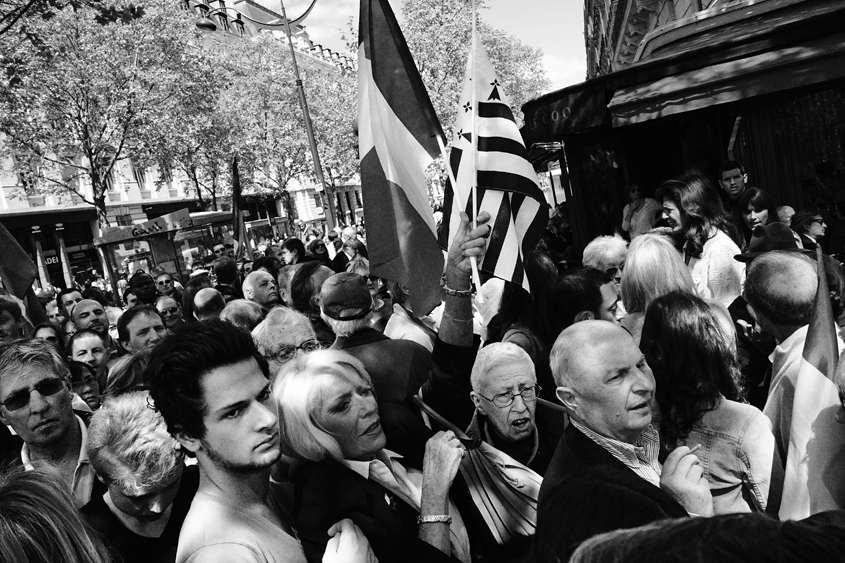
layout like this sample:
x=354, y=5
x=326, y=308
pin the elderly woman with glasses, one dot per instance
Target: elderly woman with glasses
x=328, y=415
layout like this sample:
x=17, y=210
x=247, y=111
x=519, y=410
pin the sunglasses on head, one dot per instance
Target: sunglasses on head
x=46, y=388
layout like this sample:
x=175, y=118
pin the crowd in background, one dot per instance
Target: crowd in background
x=290, y=406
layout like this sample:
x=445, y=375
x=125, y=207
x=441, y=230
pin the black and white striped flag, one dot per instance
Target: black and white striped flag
x=488, y=152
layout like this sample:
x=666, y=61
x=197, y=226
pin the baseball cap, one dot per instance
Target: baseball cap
x=345, y=297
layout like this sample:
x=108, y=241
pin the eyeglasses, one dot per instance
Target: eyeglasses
x=615, y=272
x=89, y=381
x=164, y=282
x=170, y=311
x=289, y=352
x=503, y=400
x=219, y=250
x=46, y=388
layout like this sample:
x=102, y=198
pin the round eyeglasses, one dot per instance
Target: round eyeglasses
x=503, y=400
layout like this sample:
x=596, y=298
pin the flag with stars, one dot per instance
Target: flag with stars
x=488, y=152
x=397, y=140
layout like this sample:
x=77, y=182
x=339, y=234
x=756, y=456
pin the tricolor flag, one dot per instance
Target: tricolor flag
x=814, y=477
x=488, y=152
x=397, y=129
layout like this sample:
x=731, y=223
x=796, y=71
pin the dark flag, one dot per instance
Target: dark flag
x=238, y=225
x=18, y=272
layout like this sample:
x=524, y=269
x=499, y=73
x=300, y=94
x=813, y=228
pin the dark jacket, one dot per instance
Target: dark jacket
x=586, y=491
x=326, y=492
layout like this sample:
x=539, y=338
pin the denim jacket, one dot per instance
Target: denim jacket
x=737, y=455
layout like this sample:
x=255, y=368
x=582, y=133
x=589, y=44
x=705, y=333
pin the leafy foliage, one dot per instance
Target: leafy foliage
x=85, y=94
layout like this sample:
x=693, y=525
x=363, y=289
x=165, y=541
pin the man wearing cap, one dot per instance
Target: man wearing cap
x=397, y=367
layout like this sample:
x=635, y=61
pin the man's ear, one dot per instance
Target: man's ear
x=476, y=400
x=3, y=419
x=188, y=442
x=584, y=316
x=568, y=397
x=745, y=177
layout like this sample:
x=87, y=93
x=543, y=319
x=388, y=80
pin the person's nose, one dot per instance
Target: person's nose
x=157, y=505
x=644, y=384
x=37, y=402
x=267, y=418
x=519, y=403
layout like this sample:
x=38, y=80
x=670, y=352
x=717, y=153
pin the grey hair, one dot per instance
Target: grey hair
x=129, y=445
x=19, y=356
x=347, y=328
x=243, y=313
x=294, y=392
x=279, y=328
x=496, y=354
x=604, y=252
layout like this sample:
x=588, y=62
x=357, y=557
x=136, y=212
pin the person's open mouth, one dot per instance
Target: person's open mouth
x=521, y=423
x=372, y=428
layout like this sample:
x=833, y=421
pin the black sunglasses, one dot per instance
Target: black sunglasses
x=46, y=388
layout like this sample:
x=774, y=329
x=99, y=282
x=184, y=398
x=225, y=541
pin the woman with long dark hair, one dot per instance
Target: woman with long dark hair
x=293, y=251
x=699, y=224
x=692, y=354
x=754, y=208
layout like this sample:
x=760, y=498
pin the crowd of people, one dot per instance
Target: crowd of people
x=296, y=408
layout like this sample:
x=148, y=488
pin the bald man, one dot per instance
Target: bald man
x=91, y=315
x=208, y=304
x=605, y=474
x=261, y=287
x=780, y=289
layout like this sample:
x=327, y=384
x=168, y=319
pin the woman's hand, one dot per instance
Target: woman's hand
x=443, y=454
x=347, y=544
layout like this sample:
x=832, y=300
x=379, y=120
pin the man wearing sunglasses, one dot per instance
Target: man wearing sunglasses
x=35, y=401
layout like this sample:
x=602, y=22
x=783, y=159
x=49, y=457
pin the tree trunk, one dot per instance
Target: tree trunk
x=214, y=193
x=192, y=172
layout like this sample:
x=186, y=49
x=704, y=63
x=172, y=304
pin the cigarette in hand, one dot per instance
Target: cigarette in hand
x=695, y=449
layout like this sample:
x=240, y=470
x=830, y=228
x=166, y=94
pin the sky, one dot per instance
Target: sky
x=555, y=26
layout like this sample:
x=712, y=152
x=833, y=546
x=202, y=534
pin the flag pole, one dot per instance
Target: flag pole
x=474, y=125
x=476, y=278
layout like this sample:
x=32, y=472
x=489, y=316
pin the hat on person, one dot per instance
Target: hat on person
x=765, y=238
x=346, y=297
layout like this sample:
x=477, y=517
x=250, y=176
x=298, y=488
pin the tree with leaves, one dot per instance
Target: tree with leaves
x=439, y=35
x=82, y=95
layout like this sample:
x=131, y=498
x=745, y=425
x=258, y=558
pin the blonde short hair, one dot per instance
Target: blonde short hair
x=294, y=393
x=654, y=268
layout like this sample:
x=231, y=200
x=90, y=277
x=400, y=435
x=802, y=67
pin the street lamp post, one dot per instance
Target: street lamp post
x=206, y=23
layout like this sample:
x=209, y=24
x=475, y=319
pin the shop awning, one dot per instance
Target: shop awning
x=814, y=61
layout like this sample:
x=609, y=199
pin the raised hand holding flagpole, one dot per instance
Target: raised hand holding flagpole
x=476, y=278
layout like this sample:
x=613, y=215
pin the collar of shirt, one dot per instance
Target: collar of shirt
x=785, y=348
x=83, y=473
x=638, y=457
x=362, y=468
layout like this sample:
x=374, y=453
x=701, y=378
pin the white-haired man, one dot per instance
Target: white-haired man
x=260, y=287
x=149, y=488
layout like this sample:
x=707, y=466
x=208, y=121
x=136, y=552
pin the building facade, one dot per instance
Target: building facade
x=59, y=230
x=682, y=86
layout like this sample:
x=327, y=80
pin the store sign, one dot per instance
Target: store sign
x=164, y=224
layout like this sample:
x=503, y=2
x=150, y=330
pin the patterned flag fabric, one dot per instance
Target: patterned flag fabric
x=507, y=183
x=814, y=476
x=397, y=140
